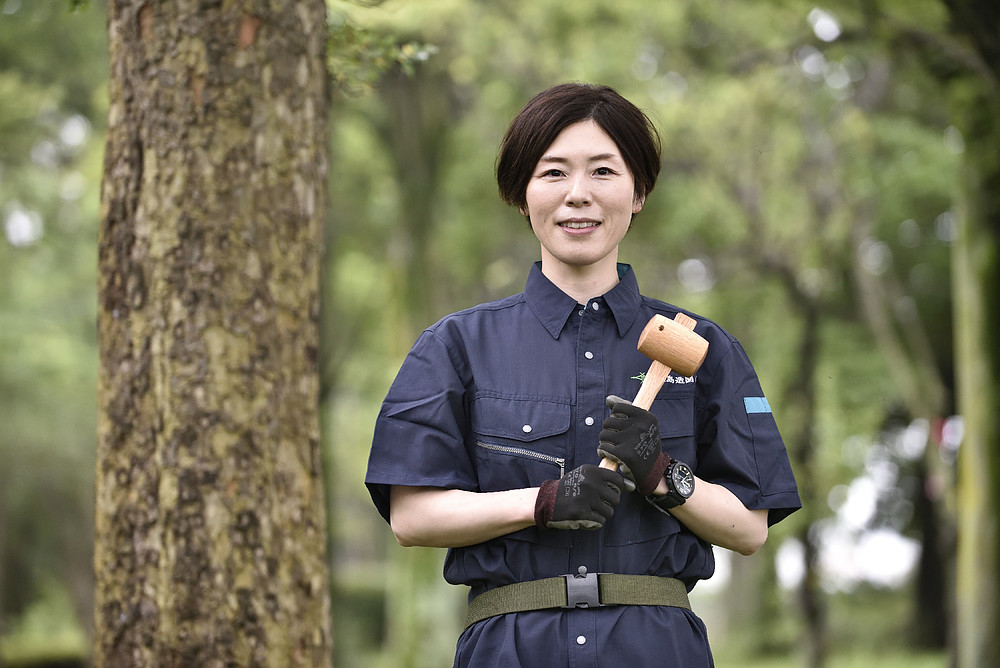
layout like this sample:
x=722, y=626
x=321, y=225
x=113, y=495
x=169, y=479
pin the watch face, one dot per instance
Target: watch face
x=683, y=479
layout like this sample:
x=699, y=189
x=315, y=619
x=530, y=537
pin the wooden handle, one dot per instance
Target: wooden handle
x=651, y=384
x=649, y=344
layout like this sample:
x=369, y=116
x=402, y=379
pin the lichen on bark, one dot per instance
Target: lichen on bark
x=210, y=545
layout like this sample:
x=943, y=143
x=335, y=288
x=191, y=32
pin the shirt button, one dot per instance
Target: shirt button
x=581, y=640
x=589, y=355
x=580, y=312
x=589, y=421
x=595, y=306
x=526, y=429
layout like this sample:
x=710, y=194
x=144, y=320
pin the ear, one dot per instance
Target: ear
x=637, y=203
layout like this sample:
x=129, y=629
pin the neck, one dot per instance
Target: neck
x=582, y=283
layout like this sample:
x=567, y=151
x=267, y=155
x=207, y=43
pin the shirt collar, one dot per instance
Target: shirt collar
x=624, y=299
x=553, y=307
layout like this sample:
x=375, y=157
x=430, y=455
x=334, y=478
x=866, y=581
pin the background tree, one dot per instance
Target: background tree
x=975, y=94
x=210, y=525
x=957, y=44
x=783, y=176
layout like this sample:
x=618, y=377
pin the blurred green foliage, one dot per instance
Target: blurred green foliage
x=796, y=170
x=357, y=58
x=53, y=66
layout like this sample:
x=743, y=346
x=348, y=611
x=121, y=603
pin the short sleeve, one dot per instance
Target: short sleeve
x=739, y=443
x=421, y=429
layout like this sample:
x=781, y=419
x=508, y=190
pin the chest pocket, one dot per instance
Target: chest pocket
x=519, y=441
x=676, y=418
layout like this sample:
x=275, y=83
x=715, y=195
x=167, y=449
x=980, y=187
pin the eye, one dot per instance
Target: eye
x=604, y=171
x=552, y=172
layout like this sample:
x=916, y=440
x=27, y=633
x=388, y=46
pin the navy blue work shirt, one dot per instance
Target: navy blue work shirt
x=511, y=393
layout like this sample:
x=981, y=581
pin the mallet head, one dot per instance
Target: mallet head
x=673, y=343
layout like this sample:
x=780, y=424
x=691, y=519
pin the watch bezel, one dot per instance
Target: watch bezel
x=680, y=473
x=673, y=497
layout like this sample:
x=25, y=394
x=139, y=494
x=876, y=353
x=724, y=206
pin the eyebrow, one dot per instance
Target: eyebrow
x=595, y=158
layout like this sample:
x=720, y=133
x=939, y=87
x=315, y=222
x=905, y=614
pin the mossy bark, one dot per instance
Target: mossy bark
x=975, y=101
x=976, y=276
x=210, y=545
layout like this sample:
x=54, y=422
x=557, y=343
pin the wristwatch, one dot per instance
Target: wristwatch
x=680, y=486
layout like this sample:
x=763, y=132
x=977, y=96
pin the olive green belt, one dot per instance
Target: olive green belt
x=584, y=590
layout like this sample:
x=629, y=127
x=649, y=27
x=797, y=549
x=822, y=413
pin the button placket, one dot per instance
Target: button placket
x=591, y=385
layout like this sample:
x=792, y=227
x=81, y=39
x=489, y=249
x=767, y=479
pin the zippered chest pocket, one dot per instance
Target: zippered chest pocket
x=519, y=441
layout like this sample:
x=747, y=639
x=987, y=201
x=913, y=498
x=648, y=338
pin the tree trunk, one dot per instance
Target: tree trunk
x=421, y=620
x=3, y=553
x=801, y=442
x=210, y=544
x=976, y=267
x=976, y=281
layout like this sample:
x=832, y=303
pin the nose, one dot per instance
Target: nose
x=578, y=191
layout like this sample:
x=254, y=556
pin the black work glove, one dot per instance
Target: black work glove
x=584, y=498
x=631, y=437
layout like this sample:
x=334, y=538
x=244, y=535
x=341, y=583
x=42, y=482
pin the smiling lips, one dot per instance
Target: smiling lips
x=579, y=223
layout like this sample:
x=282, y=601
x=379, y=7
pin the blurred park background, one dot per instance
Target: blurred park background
x=807, y=202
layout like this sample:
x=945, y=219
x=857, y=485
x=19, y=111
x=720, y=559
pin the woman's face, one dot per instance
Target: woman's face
x=580, y=199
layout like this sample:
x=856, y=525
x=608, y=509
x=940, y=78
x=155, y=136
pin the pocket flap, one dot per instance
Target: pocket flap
x=519, y=418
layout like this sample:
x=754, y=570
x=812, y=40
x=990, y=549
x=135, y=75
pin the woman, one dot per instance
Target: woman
x=489, y=438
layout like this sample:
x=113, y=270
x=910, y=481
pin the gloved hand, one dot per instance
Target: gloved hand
x=631, y=437
x=584, y=498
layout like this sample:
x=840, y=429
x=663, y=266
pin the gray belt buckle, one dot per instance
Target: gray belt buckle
x=582, y=591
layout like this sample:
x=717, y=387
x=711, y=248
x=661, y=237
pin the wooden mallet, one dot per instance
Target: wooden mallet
x=671, y=344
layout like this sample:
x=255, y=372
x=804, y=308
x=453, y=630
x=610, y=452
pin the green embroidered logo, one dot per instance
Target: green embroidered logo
x=672, y=379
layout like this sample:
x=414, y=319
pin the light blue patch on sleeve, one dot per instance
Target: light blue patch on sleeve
x=756, y=405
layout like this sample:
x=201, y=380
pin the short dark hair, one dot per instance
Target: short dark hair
x=550, y=112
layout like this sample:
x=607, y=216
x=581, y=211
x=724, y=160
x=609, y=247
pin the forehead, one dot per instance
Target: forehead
x=582, y=140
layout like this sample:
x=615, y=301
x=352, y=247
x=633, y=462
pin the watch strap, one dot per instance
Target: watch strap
x=669, y=500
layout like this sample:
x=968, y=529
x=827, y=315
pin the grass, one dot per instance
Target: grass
x=47, y=632
x=845, y=659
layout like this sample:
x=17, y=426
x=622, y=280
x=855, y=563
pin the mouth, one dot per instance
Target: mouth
x=579, y=224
